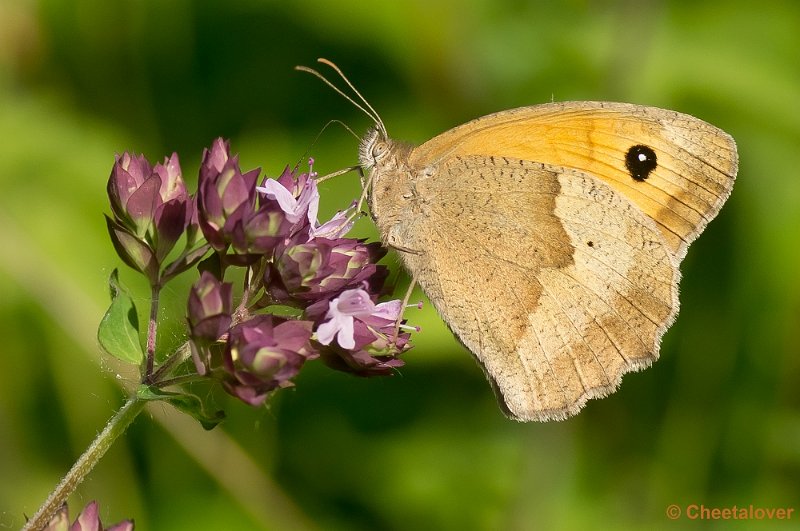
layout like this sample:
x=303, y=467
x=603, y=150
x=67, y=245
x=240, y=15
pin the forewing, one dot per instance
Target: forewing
x=696, y=167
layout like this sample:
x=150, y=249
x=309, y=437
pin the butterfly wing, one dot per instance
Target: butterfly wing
x=694, y=174
x=556, y=283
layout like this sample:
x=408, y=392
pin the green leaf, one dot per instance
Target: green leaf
x=185, y=402
x=118, y=332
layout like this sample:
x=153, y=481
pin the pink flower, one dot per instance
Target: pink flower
x=346, y=308
x=299, y=198
x=295, y=208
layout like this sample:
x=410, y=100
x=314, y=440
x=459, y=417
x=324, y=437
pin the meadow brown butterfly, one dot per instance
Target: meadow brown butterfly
x=549, y=238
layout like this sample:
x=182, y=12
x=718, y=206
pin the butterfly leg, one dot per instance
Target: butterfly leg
x=403, y=306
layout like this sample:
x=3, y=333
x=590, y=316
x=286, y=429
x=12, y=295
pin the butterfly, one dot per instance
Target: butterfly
x=549, y=237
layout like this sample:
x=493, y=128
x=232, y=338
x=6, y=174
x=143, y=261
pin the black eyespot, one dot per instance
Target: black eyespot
x=590, y=243
x=640, y=161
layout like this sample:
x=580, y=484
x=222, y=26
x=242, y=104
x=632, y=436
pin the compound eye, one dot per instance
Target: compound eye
x=378, y=150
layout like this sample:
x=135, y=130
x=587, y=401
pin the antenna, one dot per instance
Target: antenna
x=372, y=113
x=316, y=139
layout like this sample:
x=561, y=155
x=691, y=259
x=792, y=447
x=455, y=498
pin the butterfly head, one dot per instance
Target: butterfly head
x=385, y=160
x=374, y=148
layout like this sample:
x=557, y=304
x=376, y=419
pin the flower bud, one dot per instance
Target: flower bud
x=174, y=208
x=263, y=354
x=209, y=308
x=133, y=251
x=224, y=194
x=151, y=210
x=87, y=520
x=132, y=201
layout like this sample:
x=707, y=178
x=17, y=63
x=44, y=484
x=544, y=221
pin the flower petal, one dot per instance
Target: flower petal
x=389, y=310
x=334, y=228
x=309, y=199
x=354, y=302
x=274, y=190
x=345, y=337
x=327, y=331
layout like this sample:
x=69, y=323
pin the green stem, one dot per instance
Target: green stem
x=181, y=354
x=152, y=329
x=179, y=380
x=116, y=426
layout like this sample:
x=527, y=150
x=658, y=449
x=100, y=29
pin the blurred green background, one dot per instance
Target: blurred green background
x=716, y=421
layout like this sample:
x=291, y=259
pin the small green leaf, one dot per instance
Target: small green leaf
x=184, y=262
x=118, y=332
x=185, y=402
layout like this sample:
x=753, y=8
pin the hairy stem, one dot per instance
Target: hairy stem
x=152, y=329
x=116, y=426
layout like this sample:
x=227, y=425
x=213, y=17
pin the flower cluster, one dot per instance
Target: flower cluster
x=151, y=211
x=326, y=285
